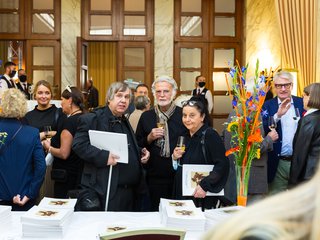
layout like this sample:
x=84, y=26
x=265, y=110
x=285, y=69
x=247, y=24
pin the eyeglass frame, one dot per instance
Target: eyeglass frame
x=280, y=86
x=191, y=103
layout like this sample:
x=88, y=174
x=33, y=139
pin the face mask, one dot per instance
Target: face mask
x=202, y=84
x=23, y=78
x=12, y=73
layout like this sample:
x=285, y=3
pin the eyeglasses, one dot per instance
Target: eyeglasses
x=286, y=85
x=191, y=103
x=68, y=89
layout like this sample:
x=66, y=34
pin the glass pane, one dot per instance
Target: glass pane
x=43, y=75
x=10, y=4
x=223, y=57
x=225, y=6
x=104, y=5
x=224, y=26
x=134, y=25
x=100, y=25
x=43, y=56
x=43, y=4
x=136, y=5
x=191, y=26
x=222, y=104
x=43, y=23
x=135, y=76
x=9, y=23
x=219, y=81
x=84, y=56
x=134, y=57
x=187, y=80
x=190, y=57
x=191, y=6
x=218, y=124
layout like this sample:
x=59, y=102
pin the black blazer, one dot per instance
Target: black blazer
x=25, y=91
x=306, y=149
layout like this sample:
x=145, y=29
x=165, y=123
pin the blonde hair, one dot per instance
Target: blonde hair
x=294, y=214
x=13, y=104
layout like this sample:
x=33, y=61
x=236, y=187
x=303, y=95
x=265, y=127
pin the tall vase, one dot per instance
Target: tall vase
x=243, y=174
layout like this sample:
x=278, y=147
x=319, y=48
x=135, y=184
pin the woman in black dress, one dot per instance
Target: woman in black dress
x=203, y=145
x=67, y=166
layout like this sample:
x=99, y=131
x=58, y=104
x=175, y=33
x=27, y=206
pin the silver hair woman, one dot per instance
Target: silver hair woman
x=13, y=104
x=294, y=214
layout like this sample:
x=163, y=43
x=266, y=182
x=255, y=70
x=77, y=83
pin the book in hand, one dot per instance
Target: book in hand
x=46, y=216
x=58, y=203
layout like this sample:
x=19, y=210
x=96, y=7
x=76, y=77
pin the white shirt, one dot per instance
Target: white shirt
x=311, y=110
x=208, y=96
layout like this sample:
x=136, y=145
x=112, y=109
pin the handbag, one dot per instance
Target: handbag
x=87, y=199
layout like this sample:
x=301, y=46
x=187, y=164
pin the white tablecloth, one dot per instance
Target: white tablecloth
x=87, y=225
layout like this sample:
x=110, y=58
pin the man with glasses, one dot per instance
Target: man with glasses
x=158, y=130
x=283, y=109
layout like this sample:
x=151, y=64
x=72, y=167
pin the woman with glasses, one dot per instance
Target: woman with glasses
x=306, y=142
x=67, y=166
x=203, y=145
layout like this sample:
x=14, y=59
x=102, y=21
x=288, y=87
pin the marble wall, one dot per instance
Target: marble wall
x=163, y=38
x=70, y=30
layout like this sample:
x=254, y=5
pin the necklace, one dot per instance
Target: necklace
x=78, y=110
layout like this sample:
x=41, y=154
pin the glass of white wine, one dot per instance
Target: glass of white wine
x=272, y=123
x=181, y=143
x=47, y=132
x=160, y=123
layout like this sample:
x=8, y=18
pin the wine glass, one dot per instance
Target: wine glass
x=272, y=123
x=296, y=116
x=47, y=132
x=30, y=91
x=181, y=143
x=160, y=123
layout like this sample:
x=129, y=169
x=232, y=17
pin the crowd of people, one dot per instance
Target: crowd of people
x=155, y=165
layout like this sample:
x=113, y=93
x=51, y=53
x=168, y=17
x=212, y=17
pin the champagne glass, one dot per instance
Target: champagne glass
x=181, y=143
x=47, y=132
x=30, y=91
x=160, y=123
x=272, y=123
x=296, y=116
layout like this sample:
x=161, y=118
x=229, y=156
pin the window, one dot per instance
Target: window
x=207, y=40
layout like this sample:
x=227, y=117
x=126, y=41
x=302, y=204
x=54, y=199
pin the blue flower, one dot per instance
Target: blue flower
x=262, y=93
x=262, y=79
x=248, y=119
x=243, y=69
x=232, y=72
x=243, y=81
x=265, y=113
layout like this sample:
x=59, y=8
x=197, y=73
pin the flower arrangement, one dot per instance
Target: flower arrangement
x=244, y=127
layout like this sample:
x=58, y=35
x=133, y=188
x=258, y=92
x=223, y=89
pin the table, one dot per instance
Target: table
x=87, y=225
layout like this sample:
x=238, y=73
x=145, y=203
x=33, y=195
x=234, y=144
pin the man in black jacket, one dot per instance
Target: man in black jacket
x=125, y=177
x=93, y=95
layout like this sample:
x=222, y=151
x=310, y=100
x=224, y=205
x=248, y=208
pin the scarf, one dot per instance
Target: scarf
x=164, y=142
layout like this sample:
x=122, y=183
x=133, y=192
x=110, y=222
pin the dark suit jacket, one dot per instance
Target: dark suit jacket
x=306, y=149
x=93, y=97
x=25, y=91
x=270, y=108
x=96, y=171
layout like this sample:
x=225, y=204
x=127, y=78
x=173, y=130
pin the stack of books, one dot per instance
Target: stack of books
x=49, y=219
x=5, y=216
x=215, y=216
x=181, y=214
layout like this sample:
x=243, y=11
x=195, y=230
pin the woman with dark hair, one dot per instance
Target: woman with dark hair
x=203, y=145
x=306, y=141
x=67, y=166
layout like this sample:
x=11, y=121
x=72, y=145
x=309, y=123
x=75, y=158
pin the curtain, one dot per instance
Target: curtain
x=102, y=66
x=298, y=27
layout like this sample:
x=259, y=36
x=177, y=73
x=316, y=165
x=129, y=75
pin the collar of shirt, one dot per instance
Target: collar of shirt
x=279, y=101
x=311, y=110
x=7, y=76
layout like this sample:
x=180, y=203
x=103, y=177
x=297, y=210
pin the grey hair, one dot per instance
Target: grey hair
x=13, y=104
x=167, y=79
x=141, y=102
x=116, y=87
x=283, y=74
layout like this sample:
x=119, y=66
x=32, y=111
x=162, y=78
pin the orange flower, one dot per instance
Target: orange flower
x=232, y=150
x=255, y=137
